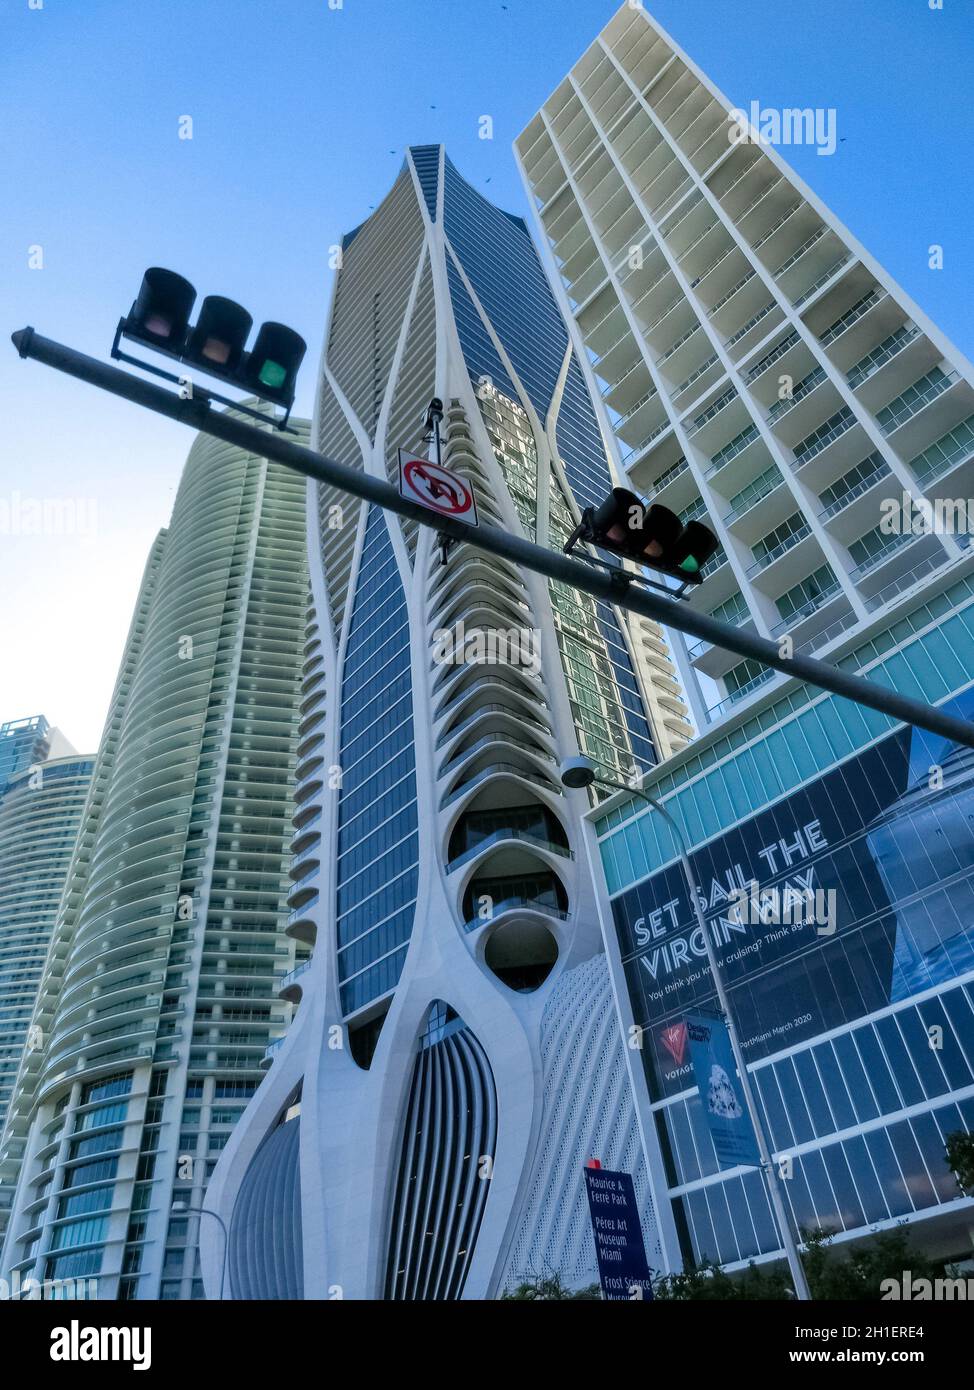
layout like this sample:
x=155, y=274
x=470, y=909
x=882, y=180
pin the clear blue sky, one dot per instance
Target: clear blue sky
x=301, y=113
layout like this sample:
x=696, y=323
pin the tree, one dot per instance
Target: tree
x=853, y=1275
x=536, y=1288
x=960, y=1160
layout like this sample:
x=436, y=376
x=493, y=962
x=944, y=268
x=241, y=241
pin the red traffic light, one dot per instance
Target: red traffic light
x=217, y=341
x=160, y=314
x=652, y=536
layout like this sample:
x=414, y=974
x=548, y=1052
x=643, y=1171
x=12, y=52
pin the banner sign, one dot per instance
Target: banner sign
x=851, y=893
x=715, y=1072
x=619, y=1248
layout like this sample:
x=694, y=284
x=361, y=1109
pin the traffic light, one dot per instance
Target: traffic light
x=652, y=536
x=160, y=314
x=217, y=344
x=272, y=367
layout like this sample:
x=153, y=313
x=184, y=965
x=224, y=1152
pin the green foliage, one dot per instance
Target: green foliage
x=847, y=1274
x=542, y=1288
x=960, y=1160
x=851, y=1274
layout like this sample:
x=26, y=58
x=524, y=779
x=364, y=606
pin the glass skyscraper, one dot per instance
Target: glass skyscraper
x=423, y=1129
x=158, y=1001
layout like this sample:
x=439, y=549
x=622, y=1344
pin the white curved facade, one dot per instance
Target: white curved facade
x=440, y=869
x=40, y=811
x=159, y=995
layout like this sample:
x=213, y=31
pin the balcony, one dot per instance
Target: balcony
x=715, y=661
x=674, y=485
x=538, y=893
x=518, y=716
x=909, y=579
x=937, y=401
x=800, y=393
x=746, y=337
x=631, y=455
x=776, y=552
x=740, y=461
x=514, y=836
x=945, y=454
x=816, y=605
x=893, y=546
x=741, y=693
x=852, y=508
x=766, y=362
x=697, y=378
x=290, y=986
x=834, y=444
x=727, y=398
x=496, y=770
x=832, y=270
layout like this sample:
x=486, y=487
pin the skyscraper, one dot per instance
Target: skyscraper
x=158, y=1000
x=423, y=1129
x=764, y=370
x=41, y=800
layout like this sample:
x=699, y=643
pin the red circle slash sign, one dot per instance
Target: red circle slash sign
x=437, y=488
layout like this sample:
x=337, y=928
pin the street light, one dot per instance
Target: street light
x=578, y=773
x=184, y=1208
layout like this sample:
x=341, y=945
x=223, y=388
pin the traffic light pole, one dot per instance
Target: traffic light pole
x=614, y=587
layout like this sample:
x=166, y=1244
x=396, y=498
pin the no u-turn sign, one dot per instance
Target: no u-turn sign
x=436, y=488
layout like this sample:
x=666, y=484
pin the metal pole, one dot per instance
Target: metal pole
x=777, y=1201
x=614, y=587
x=205, y=1211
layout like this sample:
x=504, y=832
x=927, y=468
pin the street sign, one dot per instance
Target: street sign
x=436, y=488
x=619, y=1249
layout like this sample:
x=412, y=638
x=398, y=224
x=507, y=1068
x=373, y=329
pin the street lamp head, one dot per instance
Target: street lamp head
x=180, y=1206
x=577, y=773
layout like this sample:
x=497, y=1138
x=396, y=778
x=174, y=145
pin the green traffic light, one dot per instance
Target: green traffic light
x=689, y=564
x=272, y=374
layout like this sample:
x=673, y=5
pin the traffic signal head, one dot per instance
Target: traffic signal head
x=160, y=314
x=614, y=520
x=217, y=342
x=272, y=366
x=652, y=536
x=692, y=549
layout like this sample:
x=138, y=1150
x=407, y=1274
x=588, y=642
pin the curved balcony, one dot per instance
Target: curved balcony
x=494, y=691
x=505, y=769
x=508, y=837
x=488, y=899
x=290, y=986
x=481, y=829
x=473, y=679
x=493, y=739
x=518, y=719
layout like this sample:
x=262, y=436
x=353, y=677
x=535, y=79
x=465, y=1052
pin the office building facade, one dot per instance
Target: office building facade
x=159, y=998
x=455, y=1058
x=764, y=372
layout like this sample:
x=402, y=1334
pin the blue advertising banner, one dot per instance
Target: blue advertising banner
x=619, y=1248
x=854, y=892
x=712, y=1059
